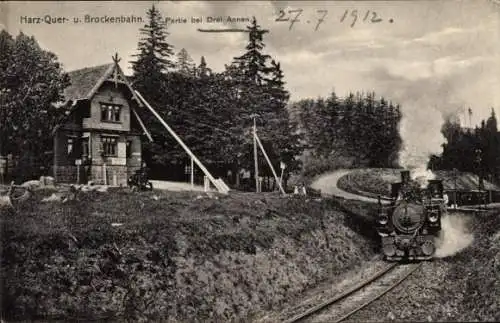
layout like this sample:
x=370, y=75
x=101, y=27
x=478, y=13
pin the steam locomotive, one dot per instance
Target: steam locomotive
x=410, y=223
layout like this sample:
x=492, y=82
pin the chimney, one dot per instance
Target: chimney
x=405, y=176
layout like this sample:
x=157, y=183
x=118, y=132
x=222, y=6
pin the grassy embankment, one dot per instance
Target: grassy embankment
x=178, y=256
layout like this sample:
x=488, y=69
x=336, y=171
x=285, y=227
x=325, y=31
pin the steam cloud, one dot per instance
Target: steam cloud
x=454, y=236
x=420, y=131
x=425, y=103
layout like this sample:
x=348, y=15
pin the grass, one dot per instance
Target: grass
x=182, y=256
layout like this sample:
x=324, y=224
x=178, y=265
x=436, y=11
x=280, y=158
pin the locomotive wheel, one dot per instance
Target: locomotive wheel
x=389, y=250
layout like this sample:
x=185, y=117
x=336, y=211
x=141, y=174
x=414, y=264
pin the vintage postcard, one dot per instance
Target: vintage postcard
x=260, y=161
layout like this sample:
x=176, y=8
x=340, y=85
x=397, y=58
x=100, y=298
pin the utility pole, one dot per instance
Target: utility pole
x=455, y=174
x=255, y=154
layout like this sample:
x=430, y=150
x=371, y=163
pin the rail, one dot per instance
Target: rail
x=352, y=292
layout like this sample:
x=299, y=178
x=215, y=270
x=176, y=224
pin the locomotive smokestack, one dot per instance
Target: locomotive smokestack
x=405, y=176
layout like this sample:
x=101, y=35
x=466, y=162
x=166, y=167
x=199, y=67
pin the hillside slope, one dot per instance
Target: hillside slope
x=181, y=256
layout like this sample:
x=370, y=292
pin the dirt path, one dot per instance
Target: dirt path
x=177, y=186
x=327, y=183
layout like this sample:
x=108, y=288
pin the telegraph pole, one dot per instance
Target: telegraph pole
x=255, y=154
x=455, y=173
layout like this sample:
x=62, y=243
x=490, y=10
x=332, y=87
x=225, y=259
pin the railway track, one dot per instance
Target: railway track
x=344, y=305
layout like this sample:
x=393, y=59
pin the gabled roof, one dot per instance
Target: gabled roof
x=85, y=81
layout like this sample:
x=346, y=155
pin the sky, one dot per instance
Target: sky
x=432, y=57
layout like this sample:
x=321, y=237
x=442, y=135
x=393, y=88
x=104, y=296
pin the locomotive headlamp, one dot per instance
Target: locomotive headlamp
x=433, y=216
x=382, y=219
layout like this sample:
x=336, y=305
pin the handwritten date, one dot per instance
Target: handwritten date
x=352, y=15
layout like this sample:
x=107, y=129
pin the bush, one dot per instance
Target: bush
x=317, y=165
x=373, y=180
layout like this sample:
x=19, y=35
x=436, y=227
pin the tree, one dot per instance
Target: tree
x=490, y=145
x=336, y=128
x=202, y=70
x=185, y=63
x=31, y=82
x=253, y=62
x=491, y=123
x=286, y=141
x=153, y=61
x=154, y=50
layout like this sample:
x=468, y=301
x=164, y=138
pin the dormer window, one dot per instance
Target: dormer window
x=110, y=112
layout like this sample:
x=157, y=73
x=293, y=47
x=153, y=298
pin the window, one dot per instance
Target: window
x=109, y=145
x=85, y=147
x=110, y=112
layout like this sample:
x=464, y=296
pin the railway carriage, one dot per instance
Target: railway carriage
x=409, y=224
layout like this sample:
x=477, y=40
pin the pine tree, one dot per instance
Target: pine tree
x=491, y=144
x=285, y=140
x=491, y=123
x=150, y=76
x=253, y=62
x=155, y=52
x=185, y=63
x=202, y=70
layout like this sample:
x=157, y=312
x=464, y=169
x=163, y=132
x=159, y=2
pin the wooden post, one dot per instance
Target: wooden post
x=255, y=156
x=270, y=164
x=192, y=172
x=221, y=187
x=282, y=166
x=206, y=184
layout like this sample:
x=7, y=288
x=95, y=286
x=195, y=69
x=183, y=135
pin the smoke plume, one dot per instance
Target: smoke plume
x=454, y=236
x=420, y=131
x=426, y=100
